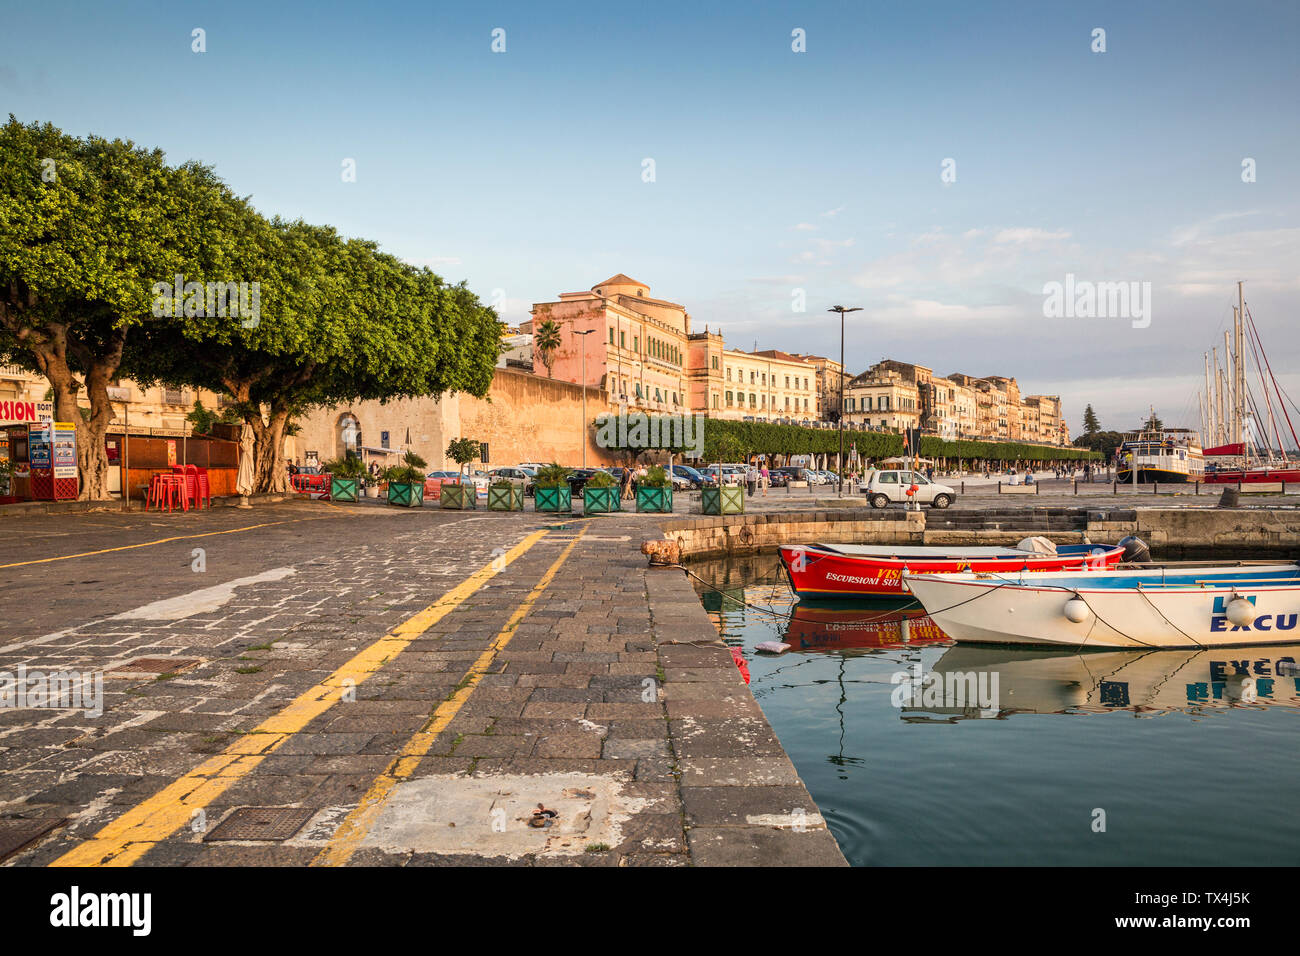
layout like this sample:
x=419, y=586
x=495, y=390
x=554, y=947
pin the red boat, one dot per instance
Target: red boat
x=857, y=570
x=1232, y=473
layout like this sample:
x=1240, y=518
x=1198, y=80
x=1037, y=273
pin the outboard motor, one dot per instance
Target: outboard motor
x=1135, y=550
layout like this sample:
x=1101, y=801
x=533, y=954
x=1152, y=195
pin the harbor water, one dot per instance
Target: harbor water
x=922, y=752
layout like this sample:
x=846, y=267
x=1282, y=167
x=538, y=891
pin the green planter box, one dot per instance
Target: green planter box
x=459, y=497
x=726, y=500
x=405, y=495
x=600, y=500
x=554, y=499
x=654, y=500
x=505, y=499
x=344, y=489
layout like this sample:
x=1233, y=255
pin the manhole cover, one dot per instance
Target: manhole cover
x=261, y=823
x=154, y=665
x=16, y=834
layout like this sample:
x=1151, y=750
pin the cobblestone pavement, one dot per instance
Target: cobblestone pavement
x=309, y=683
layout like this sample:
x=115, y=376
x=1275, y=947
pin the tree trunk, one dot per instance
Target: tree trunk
x=270, y=474
x=49, y=346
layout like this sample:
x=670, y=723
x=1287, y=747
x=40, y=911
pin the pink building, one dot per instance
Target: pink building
x=636, y=346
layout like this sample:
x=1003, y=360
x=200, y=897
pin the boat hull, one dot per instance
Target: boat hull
x=1151, y=476
x=991, y=610
x=822, y=574
x=1260, y=476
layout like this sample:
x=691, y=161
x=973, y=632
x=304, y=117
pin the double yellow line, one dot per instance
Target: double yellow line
x=347, y=838
x=136, y=832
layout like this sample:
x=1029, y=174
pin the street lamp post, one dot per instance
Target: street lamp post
x=841, y=310
x=583, y=346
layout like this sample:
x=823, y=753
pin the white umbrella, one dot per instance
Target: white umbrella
x=244, y=479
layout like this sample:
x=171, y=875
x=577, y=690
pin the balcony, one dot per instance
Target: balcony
x=13, y=372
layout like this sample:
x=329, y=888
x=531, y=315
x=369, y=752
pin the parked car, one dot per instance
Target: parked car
x=791, y=473
x=687, y=478
x=525, y=478
x=884, y=487
x=777, y=477
x=578, y=479
x=434, y=481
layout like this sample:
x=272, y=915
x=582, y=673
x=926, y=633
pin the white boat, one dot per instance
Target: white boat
x=1173, y=606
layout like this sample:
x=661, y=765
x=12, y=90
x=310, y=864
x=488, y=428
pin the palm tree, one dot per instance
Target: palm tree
x=547, y=339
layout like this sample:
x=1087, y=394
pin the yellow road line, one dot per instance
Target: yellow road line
x=347, y=838
x=135, y=832
x=149, y=544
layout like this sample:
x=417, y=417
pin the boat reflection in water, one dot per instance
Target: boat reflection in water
x=839, y=628
x=1053, y=681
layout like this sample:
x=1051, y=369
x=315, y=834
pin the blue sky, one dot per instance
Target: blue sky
x=521, y=172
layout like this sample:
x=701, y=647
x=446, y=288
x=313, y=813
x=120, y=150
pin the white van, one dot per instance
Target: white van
x=883, y=487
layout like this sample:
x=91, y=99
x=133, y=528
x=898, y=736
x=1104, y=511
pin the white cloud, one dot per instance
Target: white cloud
x=1027, y=235
x=435, y=262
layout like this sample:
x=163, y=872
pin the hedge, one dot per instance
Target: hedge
x=730, y=440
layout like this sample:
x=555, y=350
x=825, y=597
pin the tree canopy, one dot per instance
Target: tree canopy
x=114, y=264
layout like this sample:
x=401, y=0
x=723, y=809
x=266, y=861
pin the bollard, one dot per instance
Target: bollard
x=1198, y=487
x=1155, y=487
x=1076, y=487
x=1114, y=487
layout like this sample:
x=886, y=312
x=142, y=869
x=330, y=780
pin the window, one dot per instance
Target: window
x=888, y=477
x=805, y=404
x=729, y=399
x=728, y=373
x=622, y=339
x=787, y=381
x=636, y=343
x=714, y=363
x=611, y=335
x=715, y=401
x=751, y=376
x=173, y=396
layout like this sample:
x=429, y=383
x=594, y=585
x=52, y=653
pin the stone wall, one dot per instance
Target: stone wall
x=524, y=418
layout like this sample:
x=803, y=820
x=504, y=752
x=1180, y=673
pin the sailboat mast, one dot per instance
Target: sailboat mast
x=1219, y=437
x=1239, y=362
x=1207, y=410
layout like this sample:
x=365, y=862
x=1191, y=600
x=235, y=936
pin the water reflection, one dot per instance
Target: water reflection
x=1144, y=683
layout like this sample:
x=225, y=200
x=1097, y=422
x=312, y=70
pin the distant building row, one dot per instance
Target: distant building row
x=641, y=353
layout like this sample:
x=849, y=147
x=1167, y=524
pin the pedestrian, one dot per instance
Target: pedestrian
x=765, y=479
x=625, y=483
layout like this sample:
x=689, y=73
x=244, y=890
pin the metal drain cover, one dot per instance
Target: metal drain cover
x=261, y=823
x=154, y=665
x=17, y=834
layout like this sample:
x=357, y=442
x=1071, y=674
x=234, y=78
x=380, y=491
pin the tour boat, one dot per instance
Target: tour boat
x=856, y=570
x=1166, y=456
x=1173, y=606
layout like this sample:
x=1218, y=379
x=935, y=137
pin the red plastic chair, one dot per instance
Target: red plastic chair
x=167, y=490
x=189, y=484
x=205, y=492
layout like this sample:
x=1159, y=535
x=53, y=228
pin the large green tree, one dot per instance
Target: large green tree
x=339, y=321
x=87, y=228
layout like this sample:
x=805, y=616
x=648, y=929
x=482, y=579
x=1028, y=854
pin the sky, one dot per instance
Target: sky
x=937, y=164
